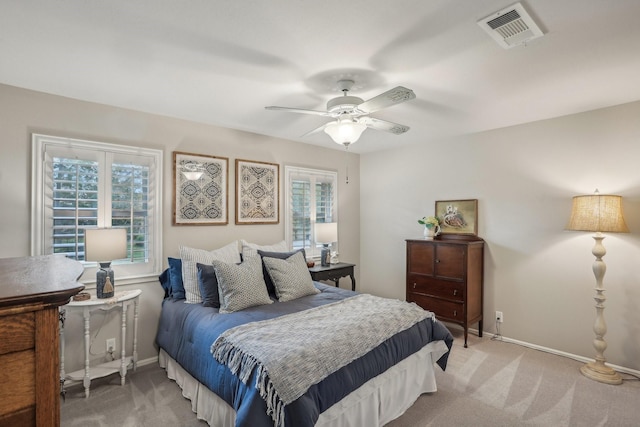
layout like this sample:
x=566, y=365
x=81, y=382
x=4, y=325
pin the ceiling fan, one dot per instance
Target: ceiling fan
x=351, y=113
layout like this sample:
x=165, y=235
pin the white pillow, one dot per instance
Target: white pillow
x=190, y=257
x=251, y=249
x=241, y=286
x=290, y=276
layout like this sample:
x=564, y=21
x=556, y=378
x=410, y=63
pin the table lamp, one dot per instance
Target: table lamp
x=598, y=212
x=326, y=233
x=105, y=245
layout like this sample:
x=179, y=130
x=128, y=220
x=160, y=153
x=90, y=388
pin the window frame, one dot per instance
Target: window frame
x=45, y=146
x=312, y=174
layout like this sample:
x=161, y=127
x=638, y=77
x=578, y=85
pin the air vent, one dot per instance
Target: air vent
x=511, y=26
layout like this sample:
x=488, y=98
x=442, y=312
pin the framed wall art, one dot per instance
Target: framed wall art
x=257, y=192
x=458, y=216
x=200, y=189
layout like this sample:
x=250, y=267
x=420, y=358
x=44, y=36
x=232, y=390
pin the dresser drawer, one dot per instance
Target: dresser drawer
x=17, y=332
x=434, y=287
x=444, y=310
x=18, y=376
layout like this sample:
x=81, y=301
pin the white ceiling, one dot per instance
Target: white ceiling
x=220, y=62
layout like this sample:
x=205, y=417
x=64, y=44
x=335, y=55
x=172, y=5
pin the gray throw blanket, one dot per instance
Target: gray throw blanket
x=295, y=351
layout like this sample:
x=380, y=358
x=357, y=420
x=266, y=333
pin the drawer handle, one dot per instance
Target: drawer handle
x=455, y=292
x=414, y=285
x=437, y=261
x=455, y=313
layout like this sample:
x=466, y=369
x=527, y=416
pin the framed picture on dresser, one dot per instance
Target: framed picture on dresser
x=458, y=216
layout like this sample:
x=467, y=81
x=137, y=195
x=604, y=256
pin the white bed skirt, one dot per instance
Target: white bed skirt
x=375, y=403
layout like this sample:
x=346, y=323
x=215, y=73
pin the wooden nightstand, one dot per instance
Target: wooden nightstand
x=334, y=272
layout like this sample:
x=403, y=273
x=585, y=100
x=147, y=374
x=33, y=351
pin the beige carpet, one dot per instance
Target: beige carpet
x=493, y=383
x=490, y=383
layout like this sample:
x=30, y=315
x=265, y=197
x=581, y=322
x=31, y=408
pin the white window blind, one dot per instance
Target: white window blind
x=86, y=184
x=311, y=197
x=75, y=204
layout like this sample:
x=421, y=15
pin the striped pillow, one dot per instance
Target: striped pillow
x=191, y=257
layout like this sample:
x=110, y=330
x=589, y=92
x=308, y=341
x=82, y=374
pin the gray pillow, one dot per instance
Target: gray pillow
x=290, y=276
x=281, y=255
x=241, y=286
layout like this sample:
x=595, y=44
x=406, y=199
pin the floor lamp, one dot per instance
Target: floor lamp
x=599, y=213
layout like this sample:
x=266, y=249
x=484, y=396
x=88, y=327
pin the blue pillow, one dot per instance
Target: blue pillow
x=280, y=255
x=208, y=284
x=165, y=283
x=175, y=278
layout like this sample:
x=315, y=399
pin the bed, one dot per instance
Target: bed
x=366, y=359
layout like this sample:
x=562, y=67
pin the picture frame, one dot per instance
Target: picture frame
x=257, y=192
x=200, y=189
x=458, y=216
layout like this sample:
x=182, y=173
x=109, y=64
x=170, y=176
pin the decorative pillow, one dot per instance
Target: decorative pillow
x=251, y=249
x=290, y=276
x=241, y=286
x=164, y=282
x=280, y=255
x=175, y=278
x=208, y=284
x=190, y=257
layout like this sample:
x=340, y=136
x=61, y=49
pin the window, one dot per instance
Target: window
x=85, y=184
x=311, y=197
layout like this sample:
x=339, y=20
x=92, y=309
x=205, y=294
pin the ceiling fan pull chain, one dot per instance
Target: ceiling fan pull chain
x=346, y=155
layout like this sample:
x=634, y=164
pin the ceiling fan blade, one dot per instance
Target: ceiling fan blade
x=300, y=110
x=316, y=130
x=391, y=97
x=384, y=125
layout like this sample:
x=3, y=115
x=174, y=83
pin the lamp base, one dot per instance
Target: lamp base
x=325, y=256
x=600, y=372
x=105, y=281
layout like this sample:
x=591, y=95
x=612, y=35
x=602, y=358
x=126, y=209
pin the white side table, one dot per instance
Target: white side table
x=121, y=299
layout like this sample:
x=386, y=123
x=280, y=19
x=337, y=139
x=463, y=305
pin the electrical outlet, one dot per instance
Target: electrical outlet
x=499, y=317
x=111, y=345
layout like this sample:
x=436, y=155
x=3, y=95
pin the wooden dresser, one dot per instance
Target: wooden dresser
x=31, y=289
x=445, y=276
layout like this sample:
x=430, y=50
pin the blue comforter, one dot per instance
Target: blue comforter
x=186, y=332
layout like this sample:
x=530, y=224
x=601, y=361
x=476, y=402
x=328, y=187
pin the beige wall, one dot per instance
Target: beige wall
x=24, y=112
x=524, y=176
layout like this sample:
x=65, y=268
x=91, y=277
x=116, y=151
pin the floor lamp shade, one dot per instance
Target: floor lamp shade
x=326, y=233
x=104, y=245
x=599, y=213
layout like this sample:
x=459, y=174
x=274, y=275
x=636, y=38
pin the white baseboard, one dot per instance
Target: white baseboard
x=620, y=369
x=148, y=361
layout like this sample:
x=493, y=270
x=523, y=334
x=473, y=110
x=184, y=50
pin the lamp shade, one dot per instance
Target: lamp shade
x=597, y=212
x=345, y=131
x=326, y=232
x=105, y=244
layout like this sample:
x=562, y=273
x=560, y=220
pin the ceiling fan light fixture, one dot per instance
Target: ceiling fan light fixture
x=345, y=131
